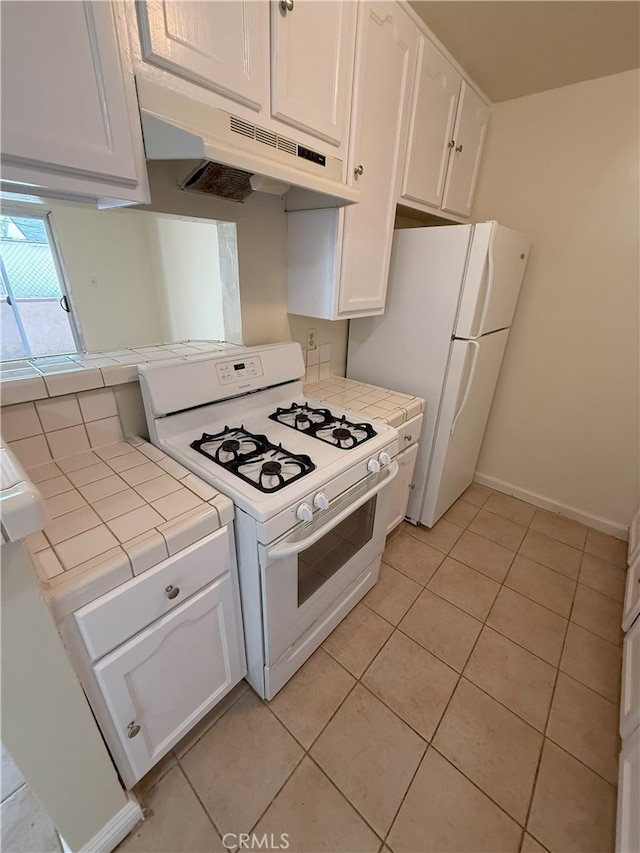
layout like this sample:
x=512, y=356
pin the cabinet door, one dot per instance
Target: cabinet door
x=628, y=817
x=64, y=102
x=401, y=485
x=312, y=49
x=630, y=690
x=632, y=595
x=168, y=676
x=433, y=113
x=387, y=43
x=472, y=119
x=220, y=45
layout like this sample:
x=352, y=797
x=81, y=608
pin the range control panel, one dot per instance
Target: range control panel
x=236, y=371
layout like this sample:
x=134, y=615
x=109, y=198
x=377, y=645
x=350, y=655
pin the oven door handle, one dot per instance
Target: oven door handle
x=287, y=547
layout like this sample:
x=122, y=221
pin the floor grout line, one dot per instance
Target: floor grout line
x=428, y=743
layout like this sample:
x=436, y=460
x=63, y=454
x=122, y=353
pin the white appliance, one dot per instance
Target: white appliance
x=310, y=488
x=451, y=299
x=228, y=156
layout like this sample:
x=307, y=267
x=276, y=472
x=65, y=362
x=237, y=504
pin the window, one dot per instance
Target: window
x=35, y=309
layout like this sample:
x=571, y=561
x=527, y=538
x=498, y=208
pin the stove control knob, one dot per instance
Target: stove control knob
x=384, y=459
x=373, y=466
x=320, y=501
x=304, y=513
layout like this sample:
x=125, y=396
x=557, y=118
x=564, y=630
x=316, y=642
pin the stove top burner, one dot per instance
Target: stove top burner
x=341, y=433
x=253, y=458
x=324, y=425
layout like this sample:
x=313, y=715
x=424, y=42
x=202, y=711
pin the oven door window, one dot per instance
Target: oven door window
x=328, y=555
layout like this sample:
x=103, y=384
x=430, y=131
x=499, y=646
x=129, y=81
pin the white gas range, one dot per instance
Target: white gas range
x=310, y=488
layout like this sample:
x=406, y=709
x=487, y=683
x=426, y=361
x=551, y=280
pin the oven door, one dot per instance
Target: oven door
x=307, y=571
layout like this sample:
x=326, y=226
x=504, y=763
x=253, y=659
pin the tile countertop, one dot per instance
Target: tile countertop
x=115, y=512
x=379, y=404
x=31, y=379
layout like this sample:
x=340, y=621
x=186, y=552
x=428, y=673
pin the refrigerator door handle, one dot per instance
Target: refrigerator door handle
x=467, y=391
x=487, y=299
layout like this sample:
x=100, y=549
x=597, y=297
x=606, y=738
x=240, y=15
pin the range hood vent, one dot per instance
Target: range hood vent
x=237, y=157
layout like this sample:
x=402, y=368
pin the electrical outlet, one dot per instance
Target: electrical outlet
x=311, y=338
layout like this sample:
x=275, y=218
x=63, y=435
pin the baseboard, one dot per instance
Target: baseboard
x=620, y=531
x=113, y=832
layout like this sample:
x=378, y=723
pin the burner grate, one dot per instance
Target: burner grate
x=324, y=425
x=253, y=458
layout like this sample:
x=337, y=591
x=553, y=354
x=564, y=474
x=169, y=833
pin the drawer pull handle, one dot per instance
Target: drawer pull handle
x=172, y=591
x=408, y=437
x=133, y=729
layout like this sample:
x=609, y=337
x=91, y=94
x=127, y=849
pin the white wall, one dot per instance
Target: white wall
x=112, y=247
x=563, y=166
x=187, y=267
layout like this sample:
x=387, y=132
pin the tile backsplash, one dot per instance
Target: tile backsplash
x=318, y=362
x=56, y=427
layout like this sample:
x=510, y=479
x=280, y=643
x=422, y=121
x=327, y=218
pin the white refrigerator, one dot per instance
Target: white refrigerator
x=451, y=299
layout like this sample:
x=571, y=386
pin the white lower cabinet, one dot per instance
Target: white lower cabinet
x=161, y=682
x=628, y=817
x=401, y=486
x=156, y=653
x=408, y=434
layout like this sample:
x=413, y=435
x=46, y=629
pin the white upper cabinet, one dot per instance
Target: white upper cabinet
x=219, y=45
x=433, y=114
x=384, y=78
x=469, y=132
x=69, y=118
x=338, y=261
x=312, y=52
x=446, y=135
x=281, y=62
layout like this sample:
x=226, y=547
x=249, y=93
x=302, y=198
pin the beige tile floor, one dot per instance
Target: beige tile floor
x=469, y=703
x=25, y=826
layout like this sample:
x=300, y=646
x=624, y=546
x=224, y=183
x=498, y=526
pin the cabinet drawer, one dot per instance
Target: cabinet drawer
x=409, y=432
x=632, y=595
x=121, y=613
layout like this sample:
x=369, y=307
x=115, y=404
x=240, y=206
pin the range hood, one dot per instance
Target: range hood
x=237, y=157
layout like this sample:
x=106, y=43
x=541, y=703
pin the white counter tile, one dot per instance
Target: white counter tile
x=158, y=488
x=55, y=486
x=66, y=502
x=103, y=488
x=118, y=504
x=71, y=524
x=146, y=551
x=135, y=523
x=85, y=546
x=176, y=503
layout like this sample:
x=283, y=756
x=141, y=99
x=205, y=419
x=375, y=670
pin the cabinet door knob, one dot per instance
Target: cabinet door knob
x=172, y=591
x=359, y=170
x=458, y=148
x=451, y=144
x=408, y=437
x=133, y=729
x=286, y=6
